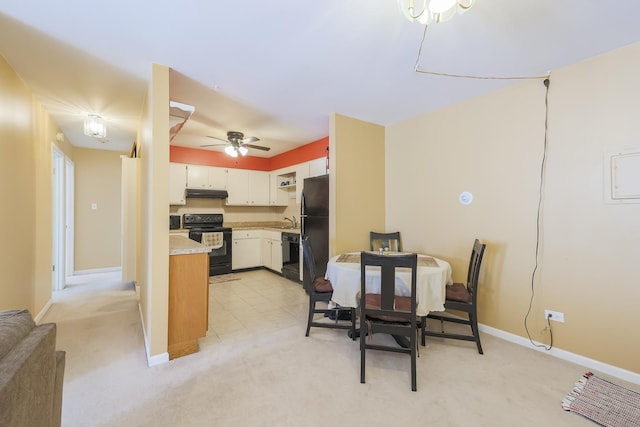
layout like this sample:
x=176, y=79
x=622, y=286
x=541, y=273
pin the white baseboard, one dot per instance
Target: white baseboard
x=42, y=312
x=151, y=360
x=593, y=364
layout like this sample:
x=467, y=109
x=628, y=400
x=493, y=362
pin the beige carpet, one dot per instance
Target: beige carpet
x=256, y=368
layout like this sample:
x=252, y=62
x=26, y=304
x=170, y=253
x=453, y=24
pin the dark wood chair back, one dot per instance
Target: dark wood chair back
x=321, y=290
x=385, y=240
x=461, y=297
x=386, y=312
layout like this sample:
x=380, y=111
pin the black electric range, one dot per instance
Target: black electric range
x=219, y=257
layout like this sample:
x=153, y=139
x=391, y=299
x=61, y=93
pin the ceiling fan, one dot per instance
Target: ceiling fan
x=237, y=143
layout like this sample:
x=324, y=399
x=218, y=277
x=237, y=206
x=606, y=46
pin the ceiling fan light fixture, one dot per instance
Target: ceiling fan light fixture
x=95, y=126
x=243, y=150
x=231, y=150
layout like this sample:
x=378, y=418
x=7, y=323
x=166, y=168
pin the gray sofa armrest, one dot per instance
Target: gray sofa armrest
x=56, y=416
x=28, y=375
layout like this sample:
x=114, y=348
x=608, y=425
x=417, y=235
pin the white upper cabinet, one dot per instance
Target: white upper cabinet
x=318, y=167
x=302, y=172
x=238, y=187
x=248, y=187
x=245, y=187
x=218, y=178
x=259, y=188
x=208, y=177
x=177, y=183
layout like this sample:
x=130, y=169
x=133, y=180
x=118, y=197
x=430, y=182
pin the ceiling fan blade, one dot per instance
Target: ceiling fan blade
x=250, y=139
x=215, y=137
x=214, y=145
x=257, y=147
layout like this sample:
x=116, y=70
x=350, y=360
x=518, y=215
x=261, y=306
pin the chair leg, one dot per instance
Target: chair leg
x=473, y=320
x=312, y=305
x=363, y=337
x=353, y=324
x=423, y=329
x=414, y=346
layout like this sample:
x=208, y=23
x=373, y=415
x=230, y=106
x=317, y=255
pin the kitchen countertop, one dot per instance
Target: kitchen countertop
x=278, y=229
x=180, y=245
x=271, y=226
x=264, y=225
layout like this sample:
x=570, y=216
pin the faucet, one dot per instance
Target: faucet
x=292, y=221
x=295, y=222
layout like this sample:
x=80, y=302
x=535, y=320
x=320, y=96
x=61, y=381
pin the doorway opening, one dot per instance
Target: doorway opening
x=63, y=231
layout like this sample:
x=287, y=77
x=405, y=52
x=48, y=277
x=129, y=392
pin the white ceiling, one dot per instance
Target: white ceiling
x=278, y=69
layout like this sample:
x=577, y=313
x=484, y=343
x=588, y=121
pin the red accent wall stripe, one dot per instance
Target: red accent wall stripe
x=193, y=156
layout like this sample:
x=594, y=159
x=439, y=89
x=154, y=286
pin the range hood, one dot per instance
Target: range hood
x=197, y=193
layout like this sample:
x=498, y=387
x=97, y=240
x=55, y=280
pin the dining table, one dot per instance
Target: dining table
x=432, y=276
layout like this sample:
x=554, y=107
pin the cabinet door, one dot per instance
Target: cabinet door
x=238, y=187
x=197, y=176
x=278, y=196
x=276, y=255
x=259, y=188
x=302, y=172
x=217, y=178
x=266, y=252
x=246, y=253
x=318, y=167
x=177, y=183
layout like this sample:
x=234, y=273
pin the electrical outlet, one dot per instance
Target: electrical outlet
x=556, y=316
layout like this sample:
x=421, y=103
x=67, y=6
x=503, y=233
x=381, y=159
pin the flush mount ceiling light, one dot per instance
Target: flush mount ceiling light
x=94, y=126
x=436, y=11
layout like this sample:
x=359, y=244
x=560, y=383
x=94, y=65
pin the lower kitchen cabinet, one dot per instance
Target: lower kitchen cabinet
x=247, y=249
x=272, y=251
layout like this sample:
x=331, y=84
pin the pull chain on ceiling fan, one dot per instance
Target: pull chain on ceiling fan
x=237, y=143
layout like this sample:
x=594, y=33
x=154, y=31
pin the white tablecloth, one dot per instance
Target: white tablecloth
x=431, y=282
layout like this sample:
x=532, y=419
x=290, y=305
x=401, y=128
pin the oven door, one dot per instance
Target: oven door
x=220, y=257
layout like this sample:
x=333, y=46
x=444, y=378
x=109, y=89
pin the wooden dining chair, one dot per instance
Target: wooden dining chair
x=321, y=291
x=386, y=312
x=385, y=240
x=461, y=297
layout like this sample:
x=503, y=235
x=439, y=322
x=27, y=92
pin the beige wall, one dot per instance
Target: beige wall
x=356, y=182
x=153, y=267
x=97, y=231
x=493, y=147
x=27, y=136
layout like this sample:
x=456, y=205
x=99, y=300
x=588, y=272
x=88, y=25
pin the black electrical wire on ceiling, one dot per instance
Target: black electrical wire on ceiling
x=467, y=76
x=546, y=81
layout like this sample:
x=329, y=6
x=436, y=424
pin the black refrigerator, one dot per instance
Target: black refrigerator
x=314, y=217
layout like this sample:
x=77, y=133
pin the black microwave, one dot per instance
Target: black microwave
x=174, y=222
